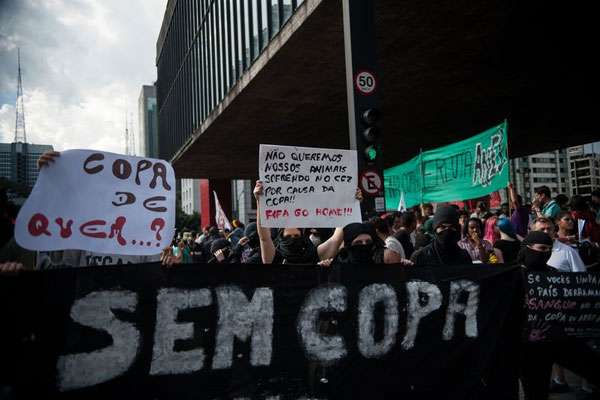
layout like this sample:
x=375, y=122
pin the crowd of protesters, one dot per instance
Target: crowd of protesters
x=551, y=234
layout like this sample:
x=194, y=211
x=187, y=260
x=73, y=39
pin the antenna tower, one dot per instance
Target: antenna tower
x=20, y=135
x=126, y=136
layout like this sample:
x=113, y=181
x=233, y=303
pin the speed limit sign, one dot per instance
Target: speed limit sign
x=365, y=82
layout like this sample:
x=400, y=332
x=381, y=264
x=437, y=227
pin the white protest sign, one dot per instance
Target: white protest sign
x=101, y=202
x=307, y=187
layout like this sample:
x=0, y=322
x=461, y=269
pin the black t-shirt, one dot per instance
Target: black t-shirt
x=404, y=238
x=509, y=249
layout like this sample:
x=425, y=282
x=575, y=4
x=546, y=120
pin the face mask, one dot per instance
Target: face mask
x=534, y=259
x=448, y=238
x=360, y=253
x=315, y=240
x=253, y=240
x=292, y=245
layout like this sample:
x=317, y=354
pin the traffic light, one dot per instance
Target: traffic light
x=370, y=134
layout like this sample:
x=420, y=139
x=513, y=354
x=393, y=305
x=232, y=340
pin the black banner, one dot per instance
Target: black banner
x=262, y=332
x=562, y=305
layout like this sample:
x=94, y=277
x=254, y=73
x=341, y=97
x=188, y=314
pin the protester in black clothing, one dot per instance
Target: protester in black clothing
x=539, y=356
x=220, y=252
x=444, y=249
x=536, y=252
x=247, y=250
x=508, y=246
x=291, y=245
x=361, y=245
x=408, y=224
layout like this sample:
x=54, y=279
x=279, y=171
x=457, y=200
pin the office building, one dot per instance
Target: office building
x=18, y=161
x=190, y=196
x=543, y=169
x=584, y=170
x=148, y=121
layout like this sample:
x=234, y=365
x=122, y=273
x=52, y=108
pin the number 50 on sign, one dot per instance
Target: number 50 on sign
x=365, y=82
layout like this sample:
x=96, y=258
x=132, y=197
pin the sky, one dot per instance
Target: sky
x=83, y=63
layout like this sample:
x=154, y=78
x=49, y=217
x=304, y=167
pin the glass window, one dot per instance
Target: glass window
x=255, y=44
x=247, y=17
x=287, y=10
x=264, y=11
x=274, y=8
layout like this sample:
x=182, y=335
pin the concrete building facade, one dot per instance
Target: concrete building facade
x=543, y=169
x=584, y=170
x=190, y=196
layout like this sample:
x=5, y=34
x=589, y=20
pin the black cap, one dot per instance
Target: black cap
x=351, y=232
x=445, y=215
x=538, y=237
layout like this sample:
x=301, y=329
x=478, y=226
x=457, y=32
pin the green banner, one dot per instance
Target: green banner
x=465, y=170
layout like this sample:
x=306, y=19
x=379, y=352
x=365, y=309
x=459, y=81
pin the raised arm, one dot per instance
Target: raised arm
x=267, y=248
x=331, y=247
x=512, y=196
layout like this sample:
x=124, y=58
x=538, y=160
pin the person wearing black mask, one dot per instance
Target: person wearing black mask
x=539, y=356
x=247, y=250
x=536, y=252
x=361, y=245
x=292, y=245
x=444, y=249
x=220, y=252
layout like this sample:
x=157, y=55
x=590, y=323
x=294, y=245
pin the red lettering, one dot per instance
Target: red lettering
x=65, y=231
x=157, y=225
x=274, y=214
x=117, y=229
x=92, y=229
x=38, y=225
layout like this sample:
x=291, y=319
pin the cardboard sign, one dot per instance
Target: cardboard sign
x=307, y=187
x=101, y=202
x=262, y=332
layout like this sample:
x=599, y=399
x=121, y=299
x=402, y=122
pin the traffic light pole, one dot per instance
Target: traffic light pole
x=362, y=86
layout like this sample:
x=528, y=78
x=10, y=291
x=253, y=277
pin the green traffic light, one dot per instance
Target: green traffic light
x=371, y=153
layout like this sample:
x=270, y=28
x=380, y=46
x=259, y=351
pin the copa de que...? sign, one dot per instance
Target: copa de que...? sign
x=307, y=187
x=99, y=201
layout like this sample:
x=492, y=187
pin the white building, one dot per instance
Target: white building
x=543, y=169
x=190, y=196
x=584, y=170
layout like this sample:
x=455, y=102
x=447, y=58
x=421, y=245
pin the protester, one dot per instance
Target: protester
x=539, y=357
x=360, y=245
x=582, y=212
x=481, y=211
x=405, y=234
x=536, y=252
x=520, y=214
x=476, y=246
x=543, y=204
x=444, y=249
x=490, y=232
x=394, y=252
x=292, y=245
x=220, y=250
x=563, y=201
x=425, y=234
x=427, y=210
x=247, y=250
x=237, y=233
x=507, y=247
x=566, y=229
x=564, y=258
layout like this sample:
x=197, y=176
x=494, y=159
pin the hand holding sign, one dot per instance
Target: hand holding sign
x=101, y=202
